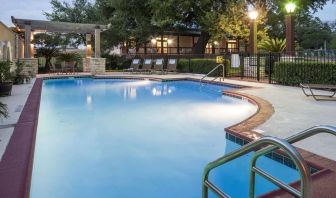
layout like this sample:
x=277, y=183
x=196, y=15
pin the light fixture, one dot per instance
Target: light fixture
x=153, y=41
x=216, y=43
x=170, y=41
x=290, y=7
x=253, y=14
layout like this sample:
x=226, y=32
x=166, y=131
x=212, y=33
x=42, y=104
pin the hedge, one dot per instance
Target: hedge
x=293, y=73
x=197, y=65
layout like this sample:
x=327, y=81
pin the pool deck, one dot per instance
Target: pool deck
x=293, y=112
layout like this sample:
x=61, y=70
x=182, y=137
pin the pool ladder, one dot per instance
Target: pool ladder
x=215, y=78
x=272, y=144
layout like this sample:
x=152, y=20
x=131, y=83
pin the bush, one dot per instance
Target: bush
x=198, y=65
x=5, y=74
x=115, y=62
x=293, y=73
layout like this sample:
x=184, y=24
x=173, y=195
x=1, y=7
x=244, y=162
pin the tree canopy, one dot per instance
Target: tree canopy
x=138, y=20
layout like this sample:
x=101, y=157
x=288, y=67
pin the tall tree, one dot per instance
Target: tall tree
x=78, y=11
x=48, y=46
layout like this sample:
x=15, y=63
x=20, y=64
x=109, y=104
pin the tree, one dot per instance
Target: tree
x=200, y=14
x=78, y=11
x=48, y=46
x=313, y=33
x=130, y=21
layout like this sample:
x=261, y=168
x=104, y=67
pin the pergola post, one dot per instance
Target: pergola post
x=28, y=34
x=97, y=43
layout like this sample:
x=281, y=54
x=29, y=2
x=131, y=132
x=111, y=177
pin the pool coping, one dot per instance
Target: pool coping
x=17, y=162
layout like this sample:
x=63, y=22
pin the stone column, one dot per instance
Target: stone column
x=290, y=45
x=97, y=43
x=30, y=66
x=28, y=34
x=94, y=65
x=253, y=37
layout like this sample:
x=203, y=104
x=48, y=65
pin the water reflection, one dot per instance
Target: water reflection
x=163, y=90
x=130, y=93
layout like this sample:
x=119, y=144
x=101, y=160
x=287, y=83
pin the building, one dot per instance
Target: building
x=11, y=44
x=171, y=42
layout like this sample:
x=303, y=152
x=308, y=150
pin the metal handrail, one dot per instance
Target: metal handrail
x=276, y=142
x=291, y=140
x=214, y=69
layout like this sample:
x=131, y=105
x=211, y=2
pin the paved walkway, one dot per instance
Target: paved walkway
x=294, y=112
x=15, y=104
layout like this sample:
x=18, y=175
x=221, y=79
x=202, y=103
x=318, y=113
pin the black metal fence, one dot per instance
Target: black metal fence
x=314, y=66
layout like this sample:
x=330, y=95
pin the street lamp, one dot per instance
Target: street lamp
x=289, y=21
x=253, y=15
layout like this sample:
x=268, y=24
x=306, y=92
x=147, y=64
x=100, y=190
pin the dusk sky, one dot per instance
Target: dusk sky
x=33, y=9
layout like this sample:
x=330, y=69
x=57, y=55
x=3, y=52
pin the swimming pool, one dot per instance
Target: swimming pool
x=138, y=138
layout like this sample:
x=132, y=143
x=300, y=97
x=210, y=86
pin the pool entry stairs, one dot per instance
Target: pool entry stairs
x=220, y=66
x=262, y=147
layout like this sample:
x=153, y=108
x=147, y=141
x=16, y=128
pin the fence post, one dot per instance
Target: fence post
x=258, y=67
x=270, y=63
x=189, y=63
x=242, y=68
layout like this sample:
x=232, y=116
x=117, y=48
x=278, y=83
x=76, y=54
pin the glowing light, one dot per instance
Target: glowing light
x=89, y=100
x=253, y=15
x=153, y=41
x=290, y=7
x=170, y=41
x=216, y=43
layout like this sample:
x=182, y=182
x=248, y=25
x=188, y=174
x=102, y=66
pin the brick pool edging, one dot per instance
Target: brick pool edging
x=17, y=162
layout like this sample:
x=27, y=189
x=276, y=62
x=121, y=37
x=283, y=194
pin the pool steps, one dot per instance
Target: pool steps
x=264, y=146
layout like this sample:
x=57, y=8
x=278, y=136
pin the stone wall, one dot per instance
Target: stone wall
x=94, y=65
x=30, y=65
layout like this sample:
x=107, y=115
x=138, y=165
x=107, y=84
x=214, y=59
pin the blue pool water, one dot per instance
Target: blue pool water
x=125, y=139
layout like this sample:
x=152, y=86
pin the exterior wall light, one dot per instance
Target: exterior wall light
x=153, y=41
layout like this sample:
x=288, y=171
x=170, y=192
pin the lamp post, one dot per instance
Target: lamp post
x=253, y=32
x=289, y=21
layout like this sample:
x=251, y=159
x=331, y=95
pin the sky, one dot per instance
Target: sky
x=33, y=9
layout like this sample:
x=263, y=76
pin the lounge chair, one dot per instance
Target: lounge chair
x=56, y=68
x=331, y=89
x=171, y=65
x=158, y=66
x=134, y=66
x=147, y=66
x=69, y=67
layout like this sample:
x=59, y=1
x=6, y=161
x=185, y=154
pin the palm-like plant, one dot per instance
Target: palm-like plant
x=275, y=45
x=3, y=110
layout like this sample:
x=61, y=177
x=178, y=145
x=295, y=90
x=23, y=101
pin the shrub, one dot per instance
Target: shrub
x=3, y=110
x=115, y=62
x=5, y=74
x=198, y=65
x=293, y=73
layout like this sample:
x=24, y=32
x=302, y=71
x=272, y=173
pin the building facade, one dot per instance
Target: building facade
x=11, y=44
x=179, y=43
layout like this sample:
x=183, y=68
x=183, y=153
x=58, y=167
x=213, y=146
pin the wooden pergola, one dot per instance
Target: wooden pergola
x=29, y=26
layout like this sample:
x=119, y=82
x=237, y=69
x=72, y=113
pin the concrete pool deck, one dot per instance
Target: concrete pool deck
x=293, y=111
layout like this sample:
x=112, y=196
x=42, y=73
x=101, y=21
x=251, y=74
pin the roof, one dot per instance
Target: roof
x=53, y=26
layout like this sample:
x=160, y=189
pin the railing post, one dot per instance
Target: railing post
x=258, y=67
x=242, y=68
x=270, y=63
